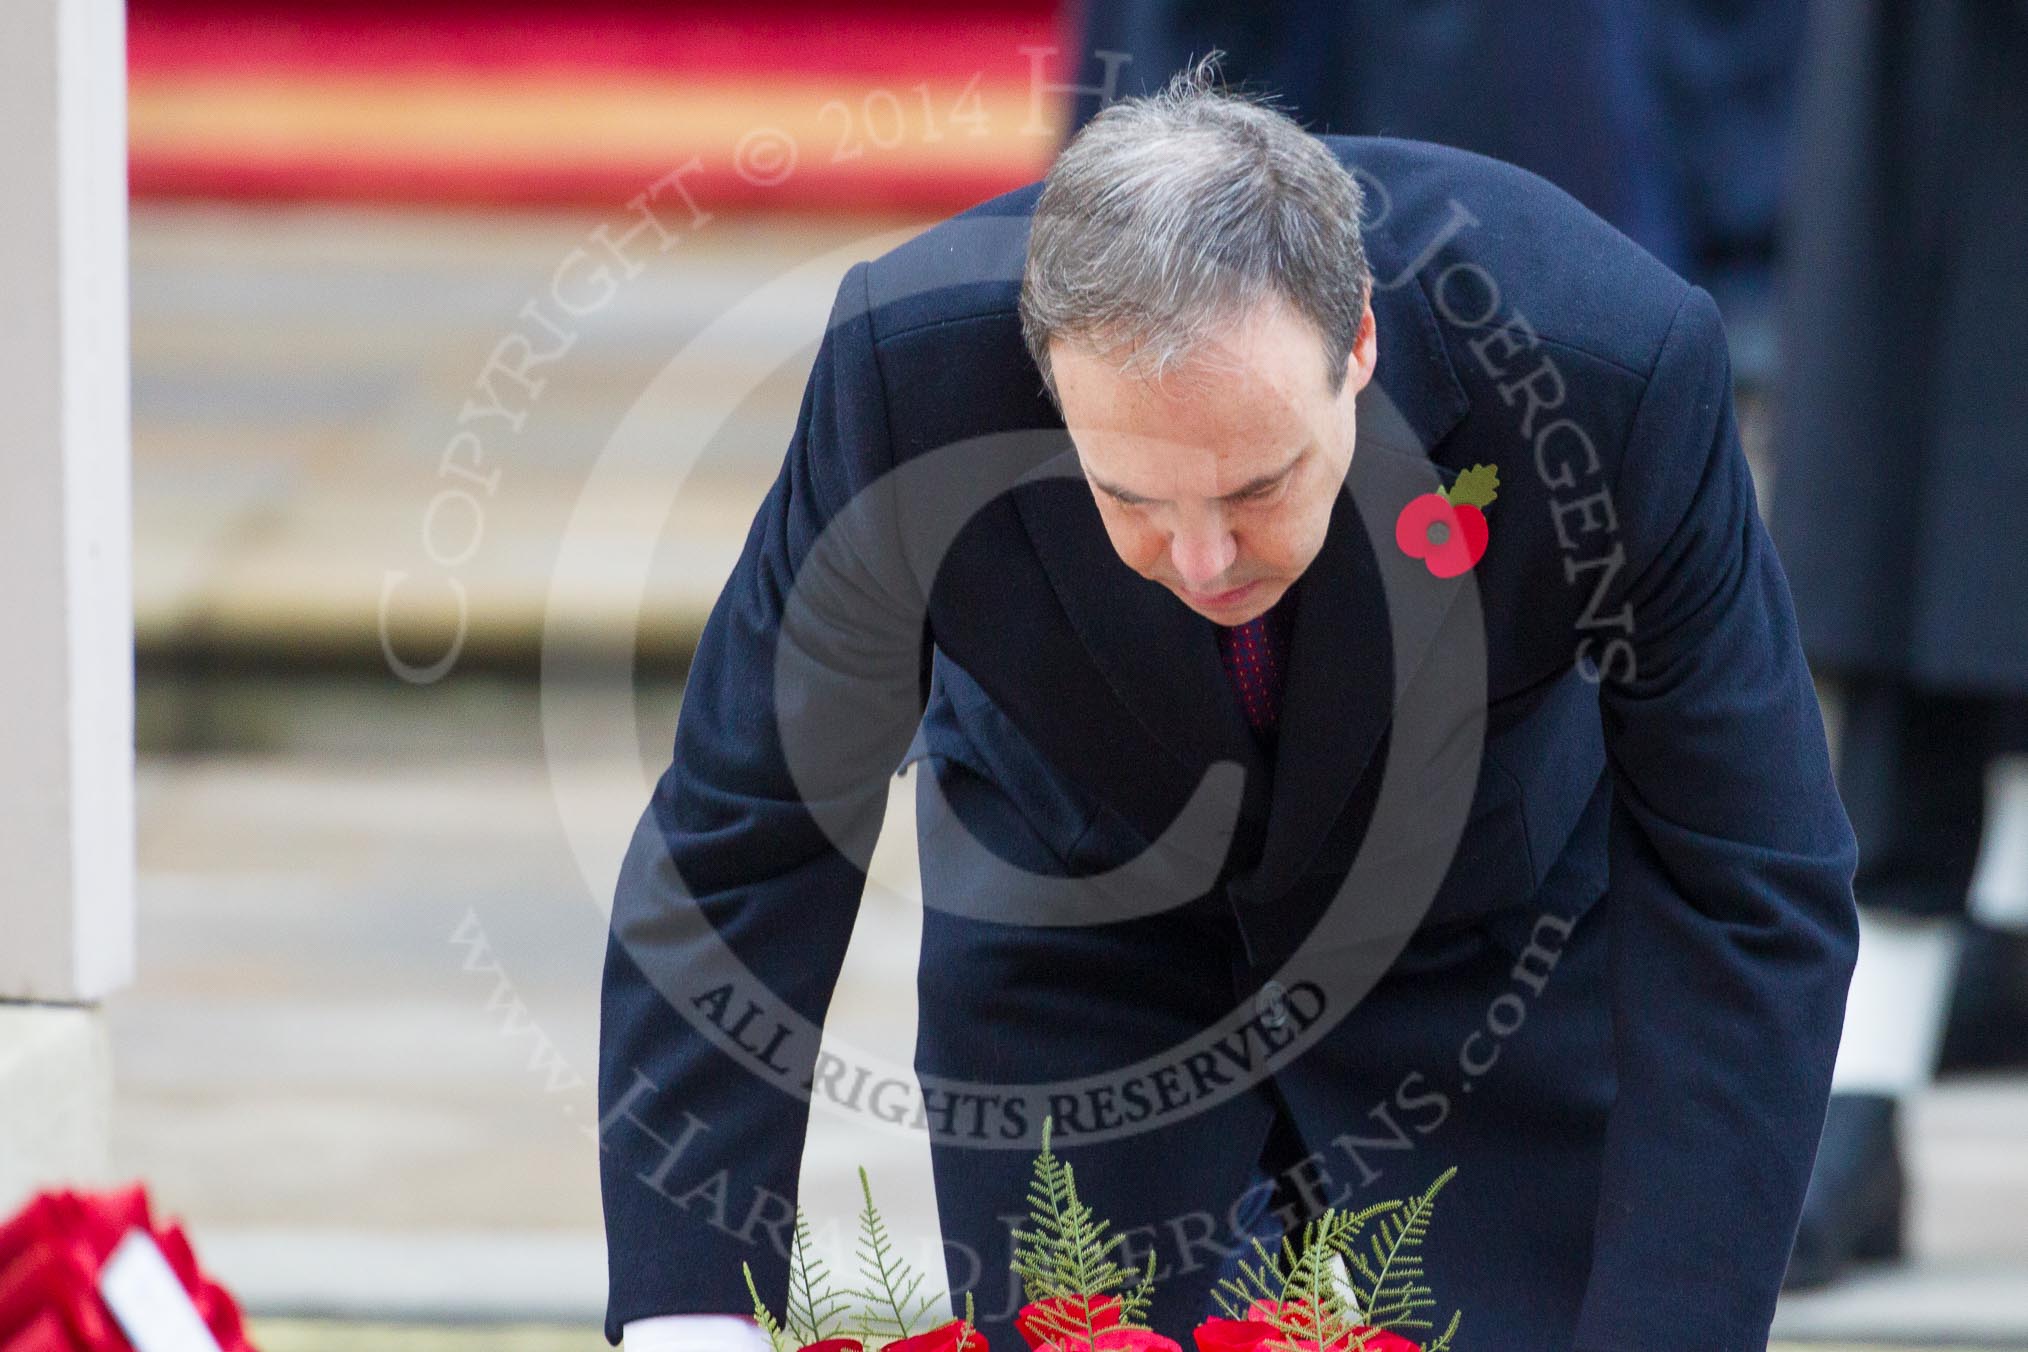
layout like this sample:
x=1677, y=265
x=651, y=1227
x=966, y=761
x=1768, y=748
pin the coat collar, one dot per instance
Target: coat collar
x=1160, y=659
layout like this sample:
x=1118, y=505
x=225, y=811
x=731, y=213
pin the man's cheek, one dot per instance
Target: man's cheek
x=1285, y=547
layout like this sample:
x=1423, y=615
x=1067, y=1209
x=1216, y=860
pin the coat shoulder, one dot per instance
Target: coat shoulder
x=1477, y=232
x=1493, y=244
x=966, y=266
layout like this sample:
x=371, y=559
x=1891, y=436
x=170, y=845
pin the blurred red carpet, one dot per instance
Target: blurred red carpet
x=911, y=106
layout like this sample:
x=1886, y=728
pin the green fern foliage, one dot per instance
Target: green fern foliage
x=814, y=1311
x=1327, y=1284
x=1066, y=1256
x=889, y=1308
x=763, y=1316
x=1347, y=1276
x=1395, y=1296
x=1313, y=1307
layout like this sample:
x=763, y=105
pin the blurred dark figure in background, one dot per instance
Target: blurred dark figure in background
x=1900, y=492
x=1666, y=117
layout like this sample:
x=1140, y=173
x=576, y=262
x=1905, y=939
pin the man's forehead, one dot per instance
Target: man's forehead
x=1211, y=376
x=1162, y=469
x=1242, y=423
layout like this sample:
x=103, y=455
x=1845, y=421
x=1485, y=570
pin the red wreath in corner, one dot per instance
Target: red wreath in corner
x=1447, y=529
x=53, y=1254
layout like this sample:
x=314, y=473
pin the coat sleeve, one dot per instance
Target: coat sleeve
x=1733, y=931
x=737, y=896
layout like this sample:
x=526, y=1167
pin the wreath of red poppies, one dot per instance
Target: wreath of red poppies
x=1352, y=1281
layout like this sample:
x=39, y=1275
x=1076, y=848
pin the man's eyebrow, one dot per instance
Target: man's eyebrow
x=1251, y=486
x=1268, y=480
x=1122, y=494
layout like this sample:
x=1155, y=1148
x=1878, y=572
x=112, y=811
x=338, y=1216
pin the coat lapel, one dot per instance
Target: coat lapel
x=1158, y=657
x=1366, y=613
x=1365, y=616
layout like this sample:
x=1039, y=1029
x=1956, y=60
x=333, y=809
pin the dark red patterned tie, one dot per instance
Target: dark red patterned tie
x=1255, y=655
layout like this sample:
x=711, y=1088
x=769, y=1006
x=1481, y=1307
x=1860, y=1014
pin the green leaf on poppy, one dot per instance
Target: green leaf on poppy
x=1477, y=487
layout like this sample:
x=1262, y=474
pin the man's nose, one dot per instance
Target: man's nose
x=1202, y=550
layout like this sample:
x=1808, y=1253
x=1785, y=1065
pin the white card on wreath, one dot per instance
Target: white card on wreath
x=153, y=1309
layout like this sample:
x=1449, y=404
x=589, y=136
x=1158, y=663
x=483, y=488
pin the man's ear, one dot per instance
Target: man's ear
x=1365, y=352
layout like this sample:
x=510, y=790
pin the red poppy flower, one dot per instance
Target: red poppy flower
x=1232, y=1335
x=1261, y=1314
x=1448, y=537
x=1044, y=1321
x=833, y=1345
x=956, y=1336
x=1115, y=1340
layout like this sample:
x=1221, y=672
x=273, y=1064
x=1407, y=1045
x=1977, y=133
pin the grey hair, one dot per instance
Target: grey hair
x=1170, y=213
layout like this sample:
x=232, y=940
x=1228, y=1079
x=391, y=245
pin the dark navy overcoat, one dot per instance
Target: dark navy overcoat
x=1546, y=879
